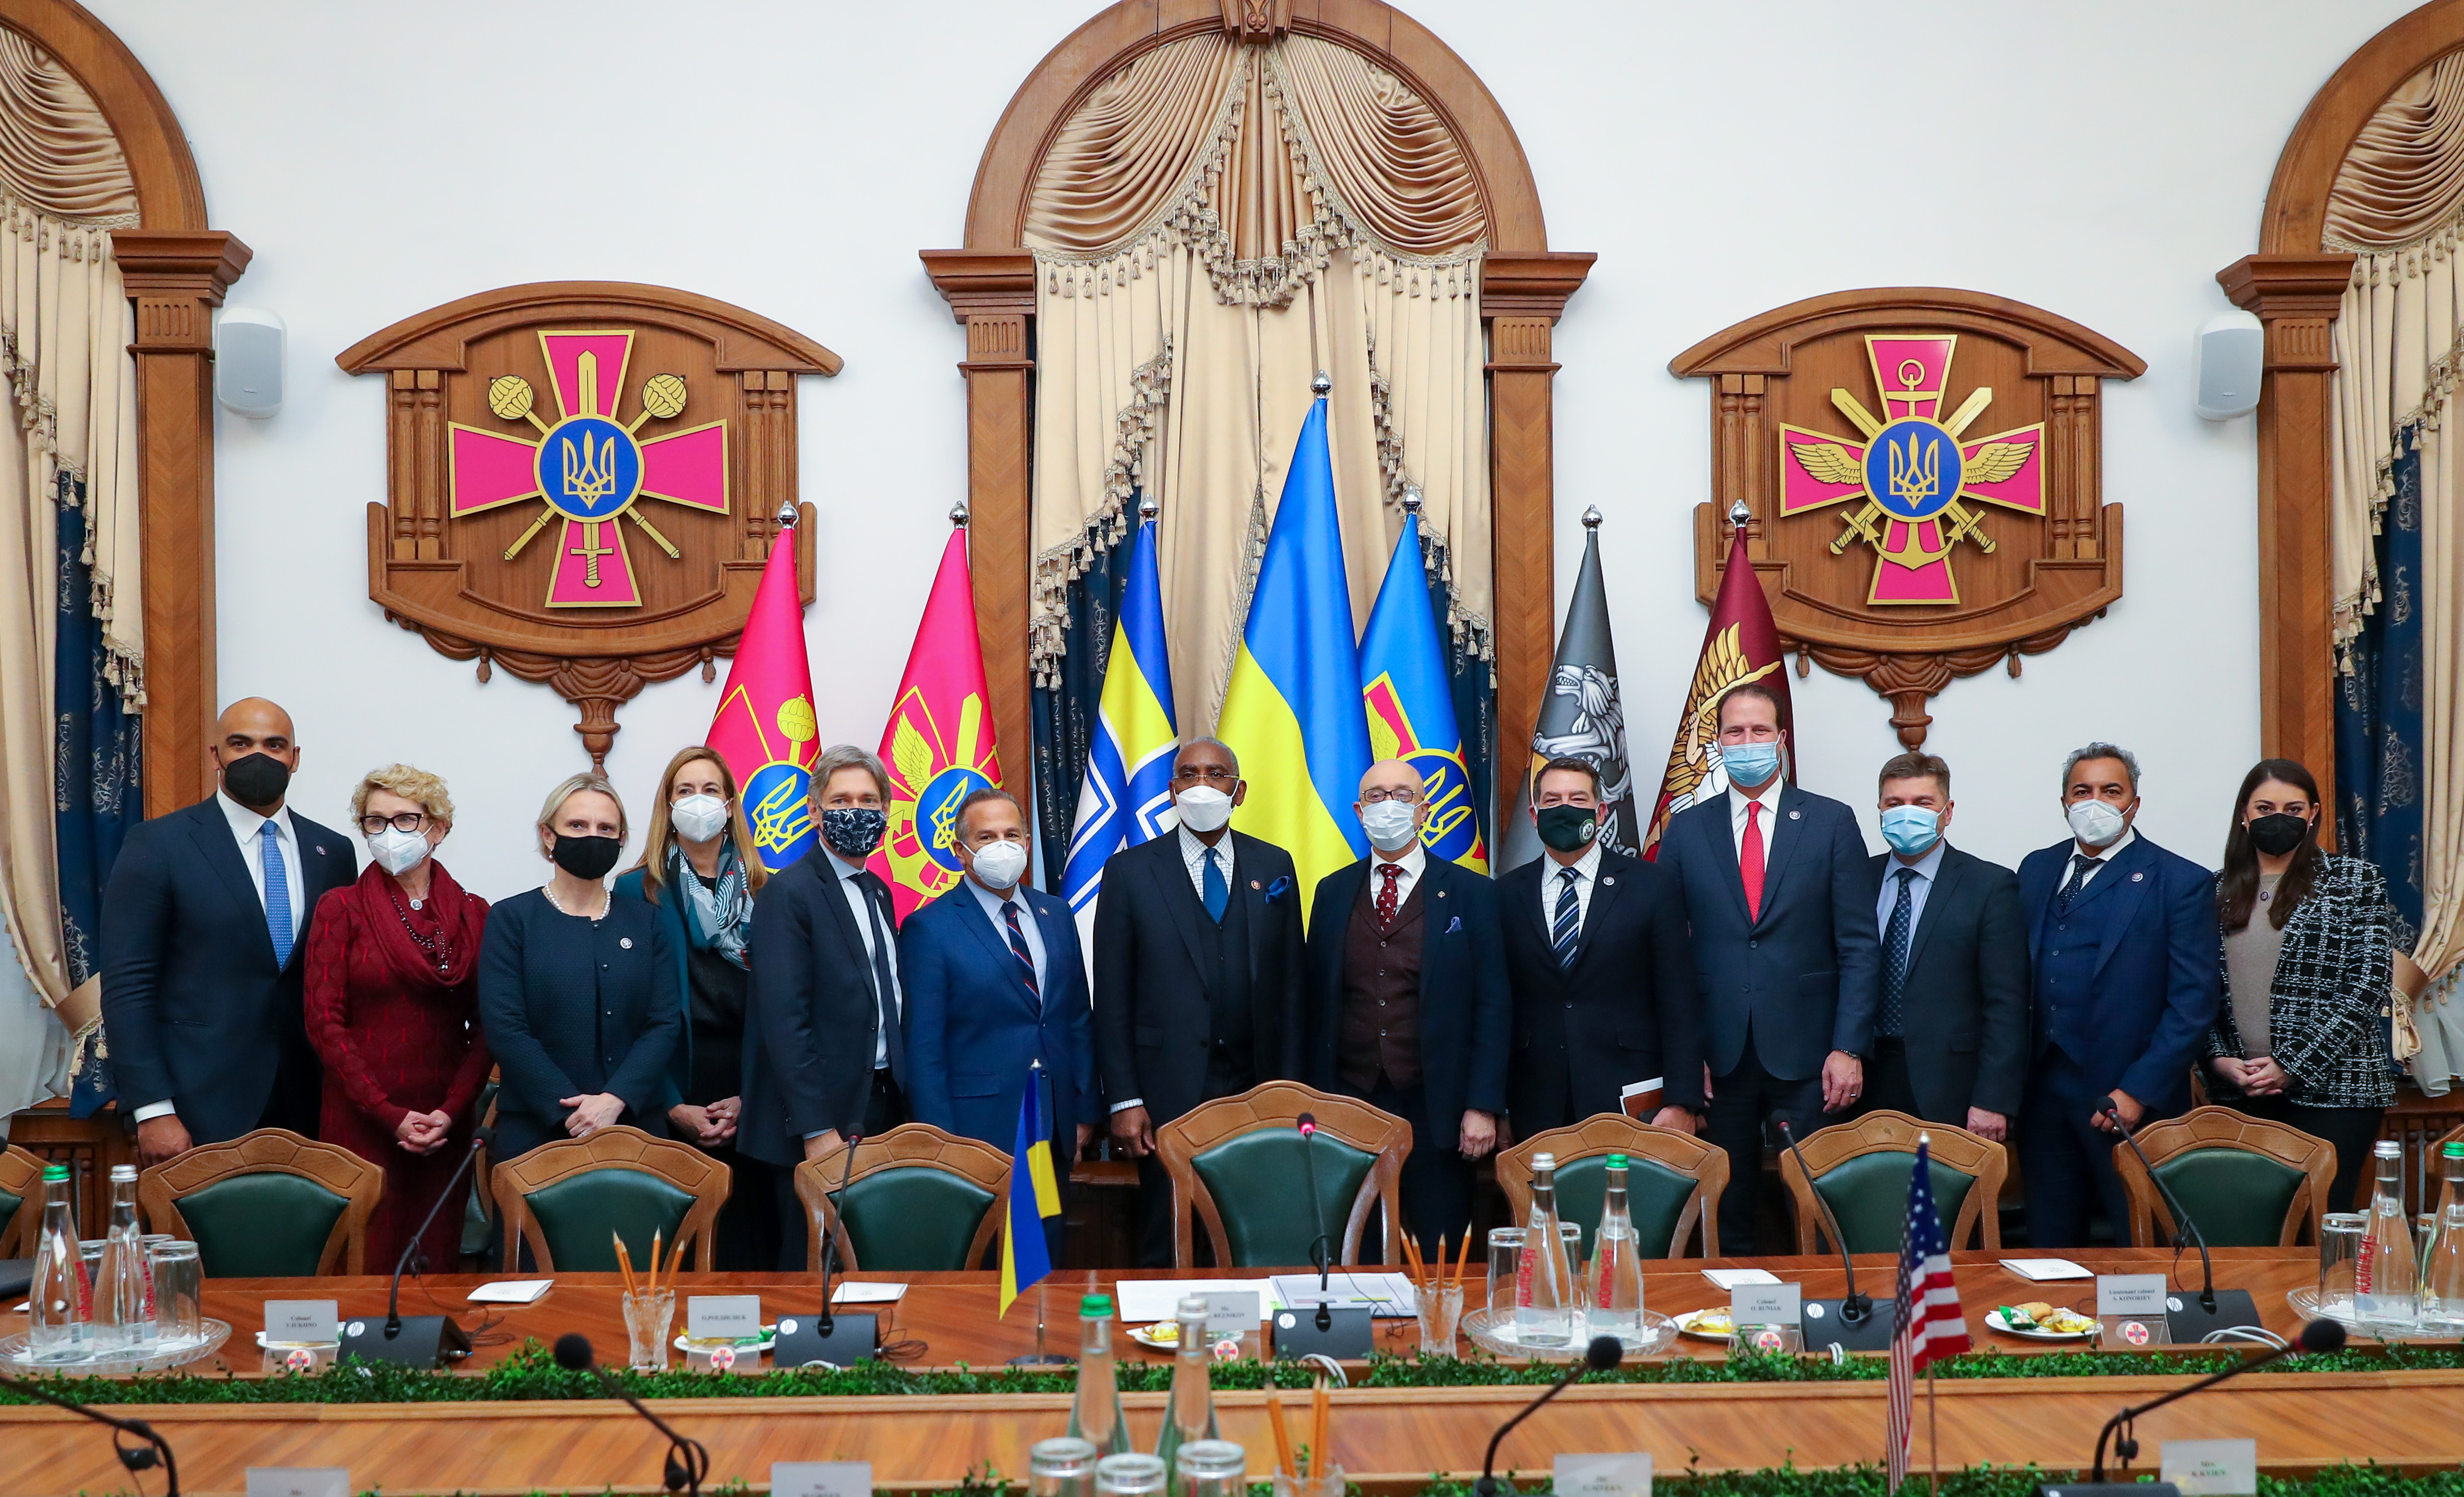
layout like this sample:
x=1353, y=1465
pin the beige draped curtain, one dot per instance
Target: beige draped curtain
x=65, y=327
x=1214, y=224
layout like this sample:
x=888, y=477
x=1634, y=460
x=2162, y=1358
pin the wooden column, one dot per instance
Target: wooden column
x=992, y=295
x=2296, y=296
x=177, y=278
x=1521, y=297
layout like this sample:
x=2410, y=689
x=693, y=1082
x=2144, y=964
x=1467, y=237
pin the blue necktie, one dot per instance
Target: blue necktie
x=1568, y=923
x=277, y=893
x=1218, y=889
x=1893, y=1019
x=1018, y=948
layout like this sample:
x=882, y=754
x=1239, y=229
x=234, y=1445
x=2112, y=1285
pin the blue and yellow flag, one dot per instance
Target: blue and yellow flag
x=1412, y=704
x=1292, y=711
x=1034, y=1194
x=1127, y=796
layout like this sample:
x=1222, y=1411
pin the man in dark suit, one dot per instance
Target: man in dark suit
x=204, y=929
x=823, y=1051
x=995, y=984
x=1197, y=972
x=1409, y=1004
x=1950, y=1030
x=1785, y=954
x=2123, y=940
x=1602, y=970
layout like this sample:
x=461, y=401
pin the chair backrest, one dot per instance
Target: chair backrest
x=2250, y=1181
x=916, y=1199
x=571, y=1198
x=1237, y=1163
x=266, y=1205
x=21, y=1200
x=1672, y=1181
x=1861, y=1169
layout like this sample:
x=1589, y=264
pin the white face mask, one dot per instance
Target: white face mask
x=699, y=819
x=1391, y=824
x=998, y=865
x=398, y=852
x=2095, y=822
x=1203, y=807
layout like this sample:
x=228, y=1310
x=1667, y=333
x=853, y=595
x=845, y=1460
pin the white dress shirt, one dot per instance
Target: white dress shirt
x=1928, y=868
x=2102, y=856
x=1587, y=874
x=1027, y=925
x=1769, y=799
x=1414, y=863
x=861, y=902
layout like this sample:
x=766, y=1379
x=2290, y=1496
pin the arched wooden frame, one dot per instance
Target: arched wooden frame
x=911, y=1145
x=617, y=1147
x=1614, y=1133
x=990, y=285
x=2225, y=1128
x=1887, y=1132
x=272, y=1151
x=176, y=269
x=2295, y=285
x=1279, y=1105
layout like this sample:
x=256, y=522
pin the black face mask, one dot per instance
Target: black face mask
x=257, y=779
x=588, y=857
x=2278, y=834
x=1569, y=829
x=853, y=832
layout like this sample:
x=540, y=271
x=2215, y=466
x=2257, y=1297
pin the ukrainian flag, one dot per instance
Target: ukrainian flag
x=1292, y=711
x=1412, y=705
x=1034, y=1196
x=1127, y=796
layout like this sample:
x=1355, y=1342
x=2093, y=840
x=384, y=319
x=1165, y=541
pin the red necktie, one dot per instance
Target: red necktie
x=1749, y=860
x=1386, y=895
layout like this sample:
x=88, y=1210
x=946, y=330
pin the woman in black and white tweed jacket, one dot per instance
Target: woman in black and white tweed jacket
x=2299, y=1037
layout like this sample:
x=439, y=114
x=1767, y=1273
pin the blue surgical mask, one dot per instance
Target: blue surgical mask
x=1751, y=764
x=1911, y=829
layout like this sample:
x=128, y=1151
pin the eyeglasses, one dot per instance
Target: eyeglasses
x=401, y=821
x=1408, y=797
x=1210, y=777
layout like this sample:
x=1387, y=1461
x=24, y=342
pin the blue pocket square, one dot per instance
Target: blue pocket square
x=1279, y=888
x=1454, y=924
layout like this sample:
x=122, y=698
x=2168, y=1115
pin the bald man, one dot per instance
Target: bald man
x=1409, y=1004
x=205, y=927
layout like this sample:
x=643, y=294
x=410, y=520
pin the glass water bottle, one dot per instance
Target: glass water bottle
x=1616, y=1279
x=60, y=1302
x=2383, y=1274
x=1095, y=1413
x=124, y=1318
x=1544, y=1277
x=2441, y=1296
x=1191, y=1415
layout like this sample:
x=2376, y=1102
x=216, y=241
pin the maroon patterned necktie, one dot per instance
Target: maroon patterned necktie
x=1386, y=899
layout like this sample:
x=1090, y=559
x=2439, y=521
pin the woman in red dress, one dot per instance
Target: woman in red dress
x=392, y=1008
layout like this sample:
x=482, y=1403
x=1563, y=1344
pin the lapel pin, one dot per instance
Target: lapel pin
x=1442, y=894
x=1794, y=814
x=2135, y=877
x=626, y=941
x=1255, y=884
x=1610, y=879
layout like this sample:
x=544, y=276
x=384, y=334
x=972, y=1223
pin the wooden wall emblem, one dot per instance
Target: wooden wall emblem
x=584, y=481
x=1955, y=523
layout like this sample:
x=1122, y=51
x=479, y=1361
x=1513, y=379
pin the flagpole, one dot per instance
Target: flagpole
x=1933, y=1439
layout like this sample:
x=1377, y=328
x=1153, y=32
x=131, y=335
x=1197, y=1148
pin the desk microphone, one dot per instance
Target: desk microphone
x=2319, y=1336
x=135, y=1458
x=422, y=1341
x=1320, y=1248
x=687, y=1462
x=1602, y=1356
x=1854, y=1324
x=2212, y=1310
x=827, y=1322
x=824, y=1339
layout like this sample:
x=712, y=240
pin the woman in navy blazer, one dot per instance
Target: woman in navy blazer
x=578, y=989
x=973, y=1026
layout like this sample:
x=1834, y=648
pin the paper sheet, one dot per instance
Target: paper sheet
x=857, y=1293
x=1140, y=1302
x=1386, y=1295
x=2040, y=1270
x=510, y=1291
x=1732, y=1278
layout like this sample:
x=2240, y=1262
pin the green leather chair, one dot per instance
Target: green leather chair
x=1673, y=1180
x=268, y=1204
x=21, y=1180
x=569, y=1201
x=1862, y=1170
x=1238, y=1164
x=2251, y=1182
x=917, y=1200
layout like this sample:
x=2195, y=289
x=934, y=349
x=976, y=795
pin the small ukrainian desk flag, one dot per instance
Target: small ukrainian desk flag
x=1034, y=1196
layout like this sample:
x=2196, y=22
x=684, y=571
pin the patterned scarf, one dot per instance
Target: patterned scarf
x=724, y=915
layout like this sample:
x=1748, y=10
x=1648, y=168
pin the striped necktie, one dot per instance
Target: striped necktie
x=1568, y=925
x=1018, y=949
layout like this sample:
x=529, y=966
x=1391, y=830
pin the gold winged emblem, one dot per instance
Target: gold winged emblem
x=1830, y=462
x=1724, y=669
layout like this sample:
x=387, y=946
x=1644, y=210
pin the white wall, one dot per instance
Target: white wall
x=2102, y=160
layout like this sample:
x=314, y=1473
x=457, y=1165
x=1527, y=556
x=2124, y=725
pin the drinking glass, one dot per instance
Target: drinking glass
x=1130, y=1475
x=1440, y=1311
x=650, y=1320
x=1062, y=1467
x=1573, y=1233
x=1213, y=1468
x=2340, y=1251
x=179, y=1291
x=1504, y=1253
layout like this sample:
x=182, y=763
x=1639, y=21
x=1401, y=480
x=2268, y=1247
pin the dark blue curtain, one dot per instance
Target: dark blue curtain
x=96, y=795
x=2378, y=711
x=1064, y=713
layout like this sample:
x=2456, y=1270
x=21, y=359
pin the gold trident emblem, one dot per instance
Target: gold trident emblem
x=1916, y=471
x=781, y=818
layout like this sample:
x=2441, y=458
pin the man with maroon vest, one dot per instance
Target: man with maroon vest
x=1409, y=1006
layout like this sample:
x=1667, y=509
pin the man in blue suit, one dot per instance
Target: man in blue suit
x=2122, y=935
x=995, y=981
x=1786, y=961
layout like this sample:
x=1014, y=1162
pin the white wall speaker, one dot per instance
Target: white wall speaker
x=247, y=360
x=2230, y=355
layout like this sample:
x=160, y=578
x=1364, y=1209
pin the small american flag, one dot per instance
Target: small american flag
x=1928, y=1322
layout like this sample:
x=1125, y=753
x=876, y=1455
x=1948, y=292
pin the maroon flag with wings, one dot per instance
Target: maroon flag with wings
x=1742, y=644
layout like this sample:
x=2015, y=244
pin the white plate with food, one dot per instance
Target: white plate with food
x=1164, y=1336
x=2039, y=1321
x=1707, y=1325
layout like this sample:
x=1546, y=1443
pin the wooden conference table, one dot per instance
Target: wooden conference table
x=1387, y=1439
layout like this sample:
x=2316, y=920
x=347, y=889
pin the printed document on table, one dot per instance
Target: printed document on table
x=2039, y=1271
x=1385, y=1295
x=510, y=1291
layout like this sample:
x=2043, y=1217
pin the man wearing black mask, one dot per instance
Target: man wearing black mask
x=824, y=1053
x=1602, y=969
x=204, y=925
